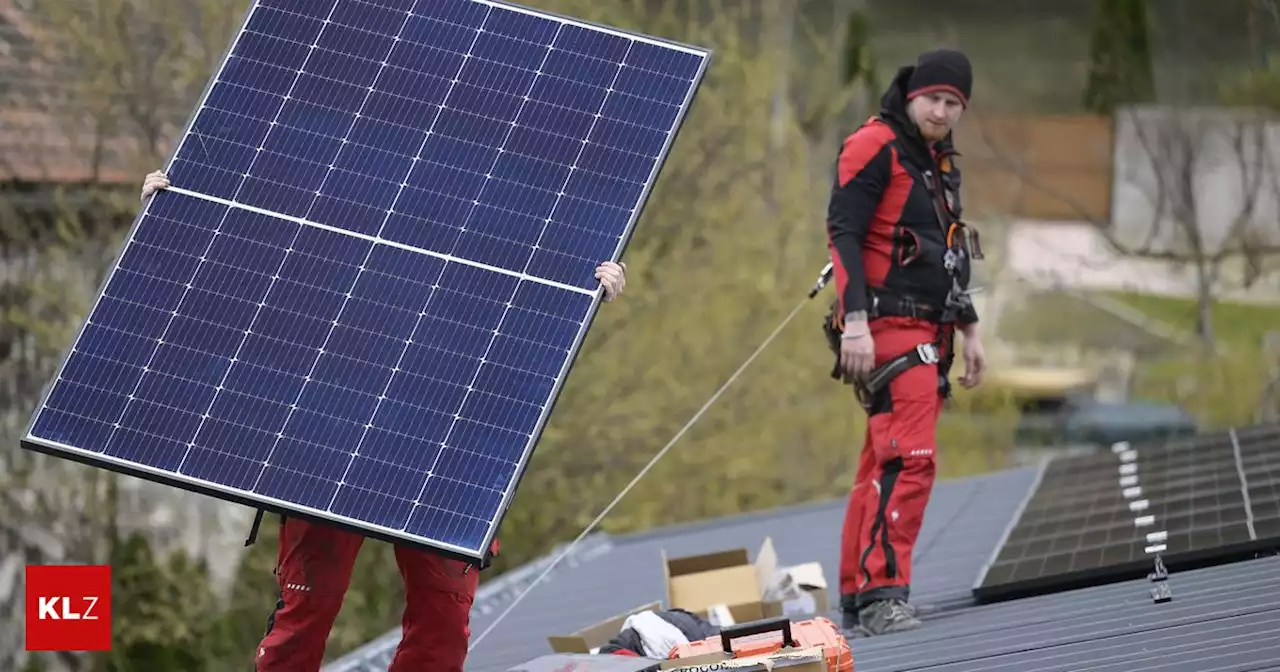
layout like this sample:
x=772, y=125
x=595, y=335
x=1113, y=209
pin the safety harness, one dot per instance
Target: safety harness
x=962, y=244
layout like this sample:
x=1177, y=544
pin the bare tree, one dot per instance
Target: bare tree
x=1193, y=186
x=1196, y=186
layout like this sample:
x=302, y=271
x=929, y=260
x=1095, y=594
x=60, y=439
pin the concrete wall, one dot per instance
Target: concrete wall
x=1230, y=160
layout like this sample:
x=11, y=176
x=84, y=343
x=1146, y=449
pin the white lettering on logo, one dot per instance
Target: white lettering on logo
x=49, y=609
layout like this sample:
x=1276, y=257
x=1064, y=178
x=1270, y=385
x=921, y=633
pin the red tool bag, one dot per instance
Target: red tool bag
x=771, y=635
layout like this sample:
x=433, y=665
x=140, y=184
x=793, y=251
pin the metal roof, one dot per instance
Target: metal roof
x=1221, y=618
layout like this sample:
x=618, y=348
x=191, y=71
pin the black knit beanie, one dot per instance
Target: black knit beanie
x=942, y=70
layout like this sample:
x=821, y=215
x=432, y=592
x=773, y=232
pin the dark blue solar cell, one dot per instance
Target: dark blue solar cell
x=492, y=251
x=568, y=94
x=508, y=51
x=577, y=242
x=376, y=340
x=590, y=216
x=425, y=58
x=612, y=162
x=628, y=137
x=447, y=180
x=464, y=529
x=563, y=268
x=344, y=66
x=531, y=171
x=498, y=78
x=226, y=138
x=403, y=6
x=519, y=198
x=598, y=188
x=478, y=99
x=552, y=302
x=481, y=131
x=297, y=144
x=675, y=63
x=358, y=43
x=569, y=124
x=319, y=9
x=506, y=226
x=330, y=94
x=379, y=19
x=460, y=12
x=580, y=68
x=360, y=189
x=548, y=146
x=641, y=112
x=604, y=46
x=445, y=35
x=383, y=142
x=260, y=75
x=423, y=234
x=521, y=25
x=280, y=37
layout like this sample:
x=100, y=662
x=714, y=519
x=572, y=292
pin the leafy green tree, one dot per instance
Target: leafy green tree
x=51, y=511
x=1120, y=63
x=162, y=608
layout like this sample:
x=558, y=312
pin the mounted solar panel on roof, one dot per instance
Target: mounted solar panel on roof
x=360, y=297
x=1104, y=517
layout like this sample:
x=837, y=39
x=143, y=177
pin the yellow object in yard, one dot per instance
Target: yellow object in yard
x=1040, y=381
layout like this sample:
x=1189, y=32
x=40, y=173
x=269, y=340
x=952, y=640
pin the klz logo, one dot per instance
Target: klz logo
x=68, y=608
x=59, y=609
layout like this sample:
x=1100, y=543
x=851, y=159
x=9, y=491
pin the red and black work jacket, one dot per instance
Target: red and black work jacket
x=893, y=215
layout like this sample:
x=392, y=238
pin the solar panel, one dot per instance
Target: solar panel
x=1260, y=461
x=360, y=297
x=1104, y=517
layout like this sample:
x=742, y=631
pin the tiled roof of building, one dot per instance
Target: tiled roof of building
x=46, y=137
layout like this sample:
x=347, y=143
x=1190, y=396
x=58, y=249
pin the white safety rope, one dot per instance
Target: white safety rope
x=661, y=453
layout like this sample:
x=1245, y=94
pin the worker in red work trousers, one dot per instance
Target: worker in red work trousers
x=900, y=256
x=314, y=564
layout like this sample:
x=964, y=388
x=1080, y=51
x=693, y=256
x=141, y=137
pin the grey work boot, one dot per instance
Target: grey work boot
x=885, y=617
x=848, y=612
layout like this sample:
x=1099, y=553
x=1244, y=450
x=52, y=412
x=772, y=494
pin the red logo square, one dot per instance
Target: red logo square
x=68, y=608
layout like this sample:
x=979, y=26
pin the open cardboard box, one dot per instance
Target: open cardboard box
x=701, y=583
x=594, y=636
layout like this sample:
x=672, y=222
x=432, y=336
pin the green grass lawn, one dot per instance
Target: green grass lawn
x=1233, y=323
x=1225, y=391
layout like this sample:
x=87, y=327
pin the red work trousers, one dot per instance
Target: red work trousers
x=895, y=471
x=314, y=569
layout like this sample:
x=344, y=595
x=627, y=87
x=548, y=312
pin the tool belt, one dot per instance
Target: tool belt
x=883, y=305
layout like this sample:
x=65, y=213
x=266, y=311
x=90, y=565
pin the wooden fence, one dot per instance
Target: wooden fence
x=1037, y=167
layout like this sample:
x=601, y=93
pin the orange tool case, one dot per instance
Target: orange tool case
x=760, y=638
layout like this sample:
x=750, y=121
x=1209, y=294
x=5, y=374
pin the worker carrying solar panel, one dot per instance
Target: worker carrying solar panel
x=900, y=256
x=314, y=564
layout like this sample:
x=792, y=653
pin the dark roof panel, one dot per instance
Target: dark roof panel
x=964, y=522
x=1214, y=613
x=1224, y=618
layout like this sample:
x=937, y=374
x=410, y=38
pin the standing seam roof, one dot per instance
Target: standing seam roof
x=1222, y=619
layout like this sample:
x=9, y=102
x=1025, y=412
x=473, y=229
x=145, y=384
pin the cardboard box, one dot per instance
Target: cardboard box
x=594, y=636
x=699, y=583
x=798, y=592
